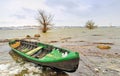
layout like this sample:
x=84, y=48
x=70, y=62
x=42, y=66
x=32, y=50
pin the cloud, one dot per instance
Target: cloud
x=69, y=6
x=19, y=16
x=69, y=12
x=24, y=13
x=66, y=12
x=19, y=12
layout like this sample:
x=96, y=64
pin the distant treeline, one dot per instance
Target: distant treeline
x=36, y=27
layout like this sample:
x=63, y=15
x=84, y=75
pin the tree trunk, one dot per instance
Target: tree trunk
x=44, y=30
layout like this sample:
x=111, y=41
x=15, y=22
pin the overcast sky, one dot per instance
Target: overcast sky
x=66, y=12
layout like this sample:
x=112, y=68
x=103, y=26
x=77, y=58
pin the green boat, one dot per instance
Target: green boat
x=46, y=55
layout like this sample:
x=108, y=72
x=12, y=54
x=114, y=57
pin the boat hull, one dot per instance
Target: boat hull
x=69, y=65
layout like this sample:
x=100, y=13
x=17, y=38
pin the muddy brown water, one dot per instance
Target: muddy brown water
x=93, y=61
x=90, y=65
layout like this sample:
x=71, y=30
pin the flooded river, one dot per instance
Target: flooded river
x=93, y=61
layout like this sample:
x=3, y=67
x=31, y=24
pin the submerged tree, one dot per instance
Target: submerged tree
x=44, y=20
x=90, y=24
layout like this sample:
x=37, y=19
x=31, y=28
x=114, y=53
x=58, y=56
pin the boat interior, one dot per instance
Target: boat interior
x=36, y=49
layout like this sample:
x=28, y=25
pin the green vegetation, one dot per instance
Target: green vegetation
x=44, y=20
x=90, y=24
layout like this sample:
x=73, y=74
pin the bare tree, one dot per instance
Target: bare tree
x=90, y=24
x=44, y=20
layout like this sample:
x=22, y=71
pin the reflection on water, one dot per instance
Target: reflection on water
x=31, y=69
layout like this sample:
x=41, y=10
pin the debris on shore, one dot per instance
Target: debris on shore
x=103, y=47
